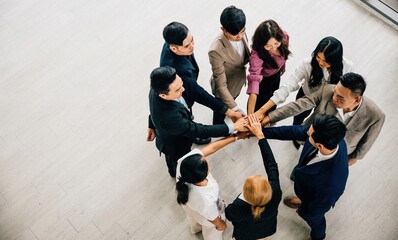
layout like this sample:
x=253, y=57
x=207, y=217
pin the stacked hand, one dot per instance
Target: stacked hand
x=235, y=116
x=254, y=126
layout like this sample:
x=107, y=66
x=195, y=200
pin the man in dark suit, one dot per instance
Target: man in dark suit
x=177, y=52
x=322, y=171
x=172, y=119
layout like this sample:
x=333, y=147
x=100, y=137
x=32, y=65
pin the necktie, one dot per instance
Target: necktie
x=183, y=102
x=309, y=156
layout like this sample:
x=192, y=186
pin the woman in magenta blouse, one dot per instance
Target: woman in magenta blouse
x=270, y=51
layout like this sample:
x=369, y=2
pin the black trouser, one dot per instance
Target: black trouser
x=317, y=223
x=173, y=153
x=267, y=87
x=299, y=119
x=218, y=118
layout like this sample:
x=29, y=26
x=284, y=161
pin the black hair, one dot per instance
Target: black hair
x=333, y=51
x=161, y=78
x=233, y=20
x=175, y=33
x=264, y=32
x=354, y=82
x=328, y=130
x=193, y=169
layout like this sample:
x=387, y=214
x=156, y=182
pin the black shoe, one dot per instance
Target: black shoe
x=201, y=141
x=296, y=144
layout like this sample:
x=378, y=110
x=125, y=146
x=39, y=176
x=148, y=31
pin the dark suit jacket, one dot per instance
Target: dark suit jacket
x=239, y=212
x=174, y=126
x=188, y=71
x=318, y=185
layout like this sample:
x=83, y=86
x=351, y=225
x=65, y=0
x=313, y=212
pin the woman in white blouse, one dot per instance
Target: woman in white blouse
x=326, y=65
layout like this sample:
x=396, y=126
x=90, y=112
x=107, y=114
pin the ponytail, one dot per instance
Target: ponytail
x=258, y=192
x=257, y=210
x=182, y=192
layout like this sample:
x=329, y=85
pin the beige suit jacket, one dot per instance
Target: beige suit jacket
x=229, y=70
x=362, y=130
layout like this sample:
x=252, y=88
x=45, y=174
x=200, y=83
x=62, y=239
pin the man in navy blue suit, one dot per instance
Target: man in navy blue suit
x=177, y=52
x=322, y=171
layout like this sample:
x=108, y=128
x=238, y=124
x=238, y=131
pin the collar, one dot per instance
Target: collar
x=320, y=157
x=192, y=152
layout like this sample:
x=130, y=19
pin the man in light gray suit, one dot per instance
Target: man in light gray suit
x=362, y=117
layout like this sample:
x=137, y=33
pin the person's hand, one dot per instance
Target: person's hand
x=351, y=161
x=151, y=135
x=234, y=116
x=265, y=121
x=241, y=124
x=222, y=226
x=243, y=135
x=260, y=115
x=242, y=112
x=255, y=126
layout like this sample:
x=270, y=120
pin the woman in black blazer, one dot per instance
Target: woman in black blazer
x=254, y=213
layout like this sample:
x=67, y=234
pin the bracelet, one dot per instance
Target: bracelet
x=235, y=136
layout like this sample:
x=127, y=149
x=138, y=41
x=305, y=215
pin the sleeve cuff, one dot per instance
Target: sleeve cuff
x=230, y=128
x=276, y=100
x=235, y=108
x=253, y=87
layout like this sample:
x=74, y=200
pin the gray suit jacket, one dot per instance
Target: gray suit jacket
x=229, y=71
x=362, y=130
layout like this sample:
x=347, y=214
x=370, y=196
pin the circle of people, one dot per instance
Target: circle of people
x=342, y=128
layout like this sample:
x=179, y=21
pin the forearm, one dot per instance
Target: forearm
x=200, y=95
x=150, y=123
x=292, y=109
x=226, y=97
x=267, y=106
x=271, y=167
x=217, y=145
x=251, y=103
x=287, y=133
x=219, y=223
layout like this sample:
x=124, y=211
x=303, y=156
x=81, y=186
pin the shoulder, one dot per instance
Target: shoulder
x=347, y=65
x=327, y=88
x=239, y=203
x=286, y=36
x=167, y=57
x=254, y=56
x=372, y=109
x=217, y=43
x=347, y=62
x=343, y=148
x=306, y=64
x=192, y=152
x=253, y=53
x=307, y=61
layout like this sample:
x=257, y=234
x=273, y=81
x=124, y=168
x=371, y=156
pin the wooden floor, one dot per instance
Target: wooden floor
x=74, y=79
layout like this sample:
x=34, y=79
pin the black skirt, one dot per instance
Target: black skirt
x=267, y=88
